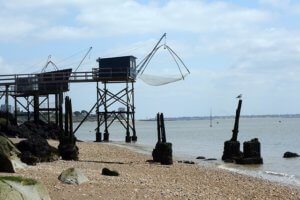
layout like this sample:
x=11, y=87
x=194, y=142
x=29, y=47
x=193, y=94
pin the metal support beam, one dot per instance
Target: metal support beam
x=98, y=133
x=134, y=137
x=106, y=133
x=84, y=118
x=28, y=108
x=16, y=110
x=56, y=109
x=6, y=103
x=36, y=108
x=127, y=138
x=60, y=111
x=106, y=116
x=48, y=111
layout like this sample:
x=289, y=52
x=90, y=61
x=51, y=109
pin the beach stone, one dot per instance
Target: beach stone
x=210, y=159
x=47, y=131
x=289, y=154
x=9, y=160
x=189, y=162
x=28, y=158
x=37, y=149
x=20, y=188
x=200, y=157
x=163, y=153
x=9, y=193
x=3, y=123
x=31, y=129
x=108, y=172
x=11, y=118
x=72, y=176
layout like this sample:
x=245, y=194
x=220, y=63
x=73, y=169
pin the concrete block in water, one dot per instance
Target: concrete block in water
x=231, y=150
x=106, y=137
x=251, y=153
x=134, y=138
x=98, y=137
x=127, y=139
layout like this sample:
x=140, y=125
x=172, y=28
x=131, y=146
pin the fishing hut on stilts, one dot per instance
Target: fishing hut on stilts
x=37, y=88
x=121, y=71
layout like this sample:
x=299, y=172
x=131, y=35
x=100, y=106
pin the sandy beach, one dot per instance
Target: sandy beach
x=143, y=180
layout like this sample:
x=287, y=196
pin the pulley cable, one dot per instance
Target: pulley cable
x=160, y=80
x=83, y=58
x=179, y=59
x=175, y=61
x=149, y=58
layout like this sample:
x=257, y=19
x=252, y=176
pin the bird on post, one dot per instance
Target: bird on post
x=239, y=96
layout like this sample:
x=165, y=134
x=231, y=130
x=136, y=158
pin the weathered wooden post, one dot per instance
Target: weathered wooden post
x=235, y=130
x=251, y=148
x=163, y=150
x=67, y=141
x=158, y=128
x=163, y=130
x=36, y=111
x=232, y=146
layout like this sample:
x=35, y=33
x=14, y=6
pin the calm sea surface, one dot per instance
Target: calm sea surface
x=195, y=138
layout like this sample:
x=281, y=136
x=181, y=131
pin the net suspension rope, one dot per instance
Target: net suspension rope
x=155, y=80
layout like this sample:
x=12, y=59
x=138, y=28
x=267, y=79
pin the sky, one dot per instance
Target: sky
x=249, y=47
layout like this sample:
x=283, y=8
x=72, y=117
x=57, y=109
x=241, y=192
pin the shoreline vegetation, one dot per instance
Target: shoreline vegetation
x=140, y=179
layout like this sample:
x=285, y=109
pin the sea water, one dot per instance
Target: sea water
x=194, y=138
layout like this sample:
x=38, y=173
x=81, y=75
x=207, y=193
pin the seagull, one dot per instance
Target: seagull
x=239, y=97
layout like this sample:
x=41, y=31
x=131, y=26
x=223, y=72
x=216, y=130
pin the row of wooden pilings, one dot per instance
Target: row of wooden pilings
x=67, y=140
x=251, y=149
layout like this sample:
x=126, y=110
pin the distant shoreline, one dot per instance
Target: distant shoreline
x=93, y=118
x=225, y=117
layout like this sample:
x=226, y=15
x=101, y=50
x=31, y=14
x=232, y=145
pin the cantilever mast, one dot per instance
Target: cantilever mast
x=143, y=64
x=86, y=54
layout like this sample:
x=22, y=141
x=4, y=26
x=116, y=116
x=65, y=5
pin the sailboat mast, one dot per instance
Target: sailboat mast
x=210, y=125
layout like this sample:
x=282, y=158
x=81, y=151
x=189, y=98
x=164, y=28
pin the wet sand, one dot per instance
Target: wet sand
x=143, y=180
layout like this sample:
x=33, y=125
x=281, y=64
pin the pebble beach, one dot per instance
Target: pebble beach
x=140, y=179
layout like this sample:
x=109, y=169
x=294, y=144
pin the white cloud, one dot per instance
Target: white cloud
x=14, y=28
x=65, y=32
x=119, y=17
x=258, y=50
x=194, y=16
